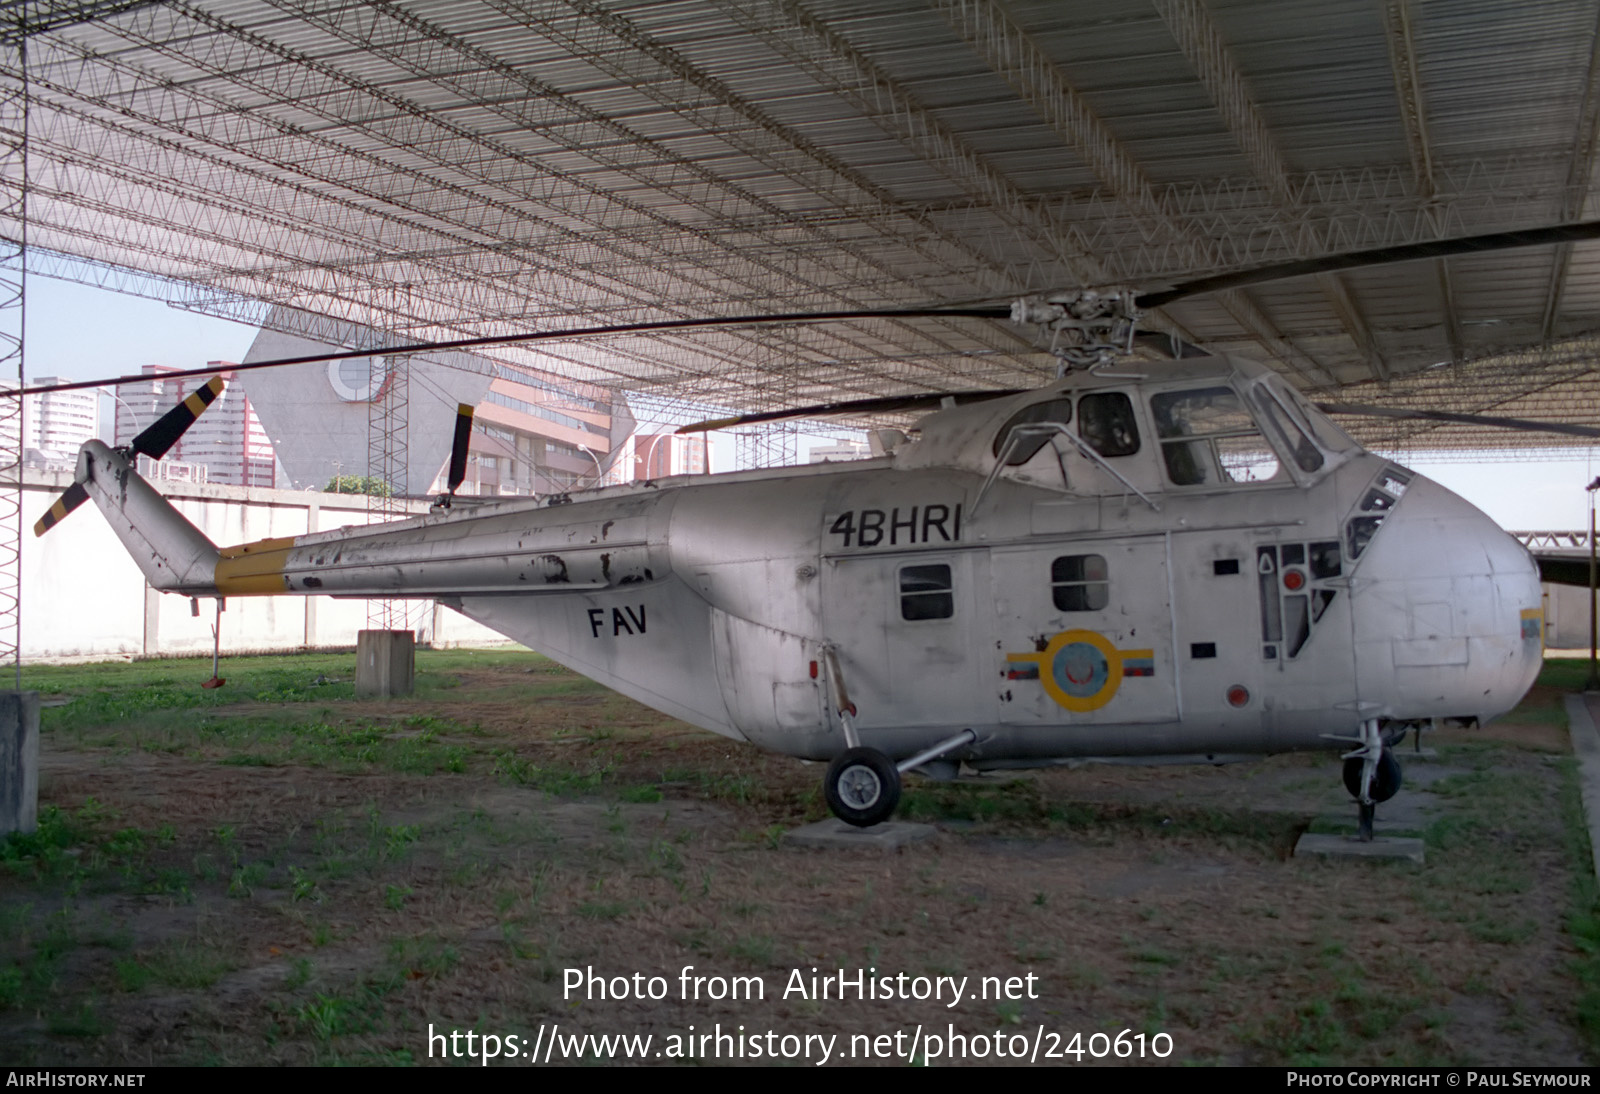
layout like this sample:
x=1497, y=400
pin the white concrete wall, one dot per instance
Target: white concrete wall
x=1566, y=617
x=83, y=596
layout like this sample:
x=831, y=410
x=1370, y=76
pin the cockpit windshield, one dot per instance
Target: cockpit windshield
x=1287, y=432
x=1208, y=437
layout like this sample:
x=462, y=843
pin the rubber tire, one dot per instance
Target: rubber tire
x=849, y=787
x=1386, y=780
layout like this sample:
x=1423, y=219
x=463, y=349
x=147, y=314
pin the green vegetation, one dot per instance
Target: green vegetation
x=284, y=874
x=358, y=484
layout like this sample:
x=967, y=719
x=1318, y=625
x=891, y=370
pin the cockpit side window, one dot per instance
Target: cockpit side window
x=1105, y=421
x=1207, y=436
x=1027, y=446
x=1288, y=432
x=1323, y=430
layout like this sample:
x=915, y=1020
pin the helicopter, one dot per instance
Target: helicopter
x=1165, y=555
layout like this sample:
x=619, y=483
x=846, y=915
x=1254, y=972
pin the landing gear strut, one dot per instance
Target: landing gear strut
x=1371, y=774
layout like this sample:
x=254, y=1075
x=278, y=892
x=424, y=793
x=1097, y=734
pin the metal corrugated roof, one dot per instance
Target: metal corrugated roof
x=467, y=167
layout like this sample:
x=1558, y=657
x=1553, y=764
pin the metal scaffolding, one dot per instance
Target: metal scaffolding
x=13, y=283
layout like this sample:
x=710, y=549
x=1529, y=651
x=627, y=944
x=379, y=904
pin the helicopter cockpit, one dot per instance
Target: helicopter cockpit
x=1184, y=428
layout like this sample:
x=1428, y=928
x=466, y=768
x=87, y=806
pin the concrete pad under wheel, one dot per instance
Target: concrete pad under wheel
x=1379, y=847
x=834, y=834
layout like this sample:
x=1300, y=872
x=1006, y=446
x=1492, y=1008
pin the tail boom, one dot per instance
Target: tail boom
x=172, y=553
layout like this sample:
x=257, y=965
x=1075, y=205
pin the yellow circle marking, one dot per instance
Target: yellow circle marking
x=1053, y=686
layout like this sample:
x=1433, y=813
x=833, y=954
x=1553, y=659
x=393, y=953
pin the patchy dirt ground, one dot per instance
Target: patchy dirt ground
x=282, y=874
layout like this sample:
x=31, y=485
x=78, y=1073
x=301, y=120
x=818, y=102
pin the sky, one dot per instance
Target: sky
x=80, y=332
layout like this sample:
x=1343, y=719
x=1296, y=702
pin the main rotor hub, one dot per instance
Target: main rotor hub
x=1086, y=328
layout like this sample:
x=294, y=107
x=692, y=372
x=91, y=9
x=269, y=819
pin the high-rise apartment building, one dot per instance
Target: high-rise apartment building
x=227, y=441
x=56, y=424
x=659, y=455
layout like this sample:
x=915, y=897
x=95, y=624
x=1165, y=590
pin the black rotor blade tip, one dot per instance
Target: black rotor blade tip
x=458, y=449
x=75, y=496
x=160, y=437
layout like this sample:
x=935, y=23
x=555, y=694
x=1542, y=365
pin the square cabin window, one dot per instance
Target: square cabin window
x=1079, y=583
x=926, y=592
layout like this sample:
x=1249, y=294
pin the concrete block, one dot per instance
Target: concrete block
x=386, y=664
x=1379, y=847
x=834, y=834
x=19, y=761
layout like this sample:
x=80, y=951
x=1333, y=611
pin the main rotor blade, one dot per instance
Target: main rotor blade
x=1379, y=256
x=75, y=496
x=160, y=437
x=458, y=448
x=542, y=336
x=883, y=404
x=1526, y=425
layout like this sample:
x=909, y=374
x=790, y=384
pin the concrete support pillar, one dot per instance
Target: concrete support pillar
x=313, y=519
x=19, y=761
x=152, y=622
x=386, y=664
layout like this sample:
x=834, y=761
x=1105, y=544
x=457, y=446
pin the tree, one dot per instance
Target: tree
x=358, y=484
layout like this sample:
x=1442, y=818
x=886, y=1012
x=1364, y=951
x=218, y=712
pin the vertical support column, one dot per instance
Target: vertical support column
x=775, y=445
x=152, y=622
x=19, y=761
x=13, y=262
x=19, y=710
x=313, y=522
x=388, y=418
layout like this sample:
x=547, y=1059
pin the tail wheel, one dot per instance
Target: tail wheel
x=862, y=787
x=1386, y=780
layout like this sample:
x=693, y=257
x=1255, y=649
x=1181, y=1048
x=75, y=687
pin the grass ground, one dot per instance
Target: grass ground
x=275, y=872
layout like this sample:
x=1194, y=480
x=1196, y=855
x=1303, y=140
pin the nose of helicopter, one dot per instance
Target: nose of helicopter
x=1446, y=605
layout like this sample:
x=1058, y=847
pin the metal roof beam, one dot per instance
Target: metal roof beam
x=1414, y=120
x=847, y=72
x=1014, y=55
x=1197, y=36
x=1580, y=175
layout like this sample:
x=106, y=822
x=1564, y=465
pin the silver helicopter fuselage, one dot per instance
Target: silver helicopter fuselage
x=1168, y=561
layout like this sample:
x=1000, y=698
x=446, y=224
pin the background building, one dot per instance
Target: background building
x=227, y=444
x=56, y=424
x=841, y=449
x=531, y=433
x=659, y=455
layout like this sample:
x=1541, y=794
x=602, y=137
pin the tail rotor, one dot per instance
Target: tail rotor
x=155, y=442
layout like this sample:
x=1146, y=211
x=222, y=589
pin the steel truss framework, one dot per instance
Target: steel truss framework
x=451, y=168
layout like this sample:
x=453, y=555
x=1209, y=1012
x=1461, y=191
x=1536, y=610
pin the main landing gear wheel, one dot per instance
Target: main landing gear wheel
x=1386, y=779
x=862, y=787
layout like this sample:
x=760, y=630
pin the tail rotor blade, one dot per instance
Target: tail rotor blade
x=75, y=496
x=160, y=437
x=458, y=450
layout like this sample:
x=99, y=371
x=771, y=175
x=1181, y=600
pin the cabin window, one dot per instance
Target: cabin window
x=1079, y=583
x=1105, y=421
x=1208, y=437
x=926, y=592
x=1058, y=411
